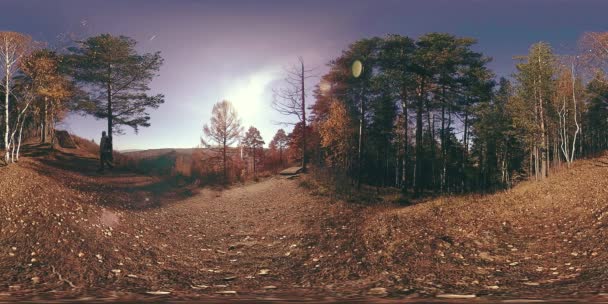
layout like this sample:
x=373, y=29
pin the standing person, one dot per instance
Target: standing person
x=105, y=152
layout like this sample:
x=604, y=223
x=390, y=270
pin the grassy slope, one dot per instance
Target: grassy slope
x=544, y=237
x=540, y=236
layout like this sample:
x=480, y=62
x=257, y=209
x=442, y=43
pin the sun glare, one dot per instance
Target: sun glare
x=249, y=95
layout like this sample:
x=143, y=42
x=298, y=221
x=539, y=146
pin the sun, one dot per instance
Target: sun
x=249, y=95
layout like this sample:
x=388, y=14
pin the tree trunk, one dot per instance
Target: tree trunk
x=541, y=116
x=44, y=120
x=303, y=120
x=443, y=143
x=225, y=173
x=255, y=172
x=431, y=127
x=110, y=113
x=575, y=116
x=405, y=140
x=360, y=146
x=6, y=111
x=465, y=151
x=419, y=151
x=19, y=140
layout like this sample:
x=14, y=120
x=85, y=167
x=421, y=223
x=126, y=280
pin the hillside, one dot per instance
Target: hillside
x=69, y=232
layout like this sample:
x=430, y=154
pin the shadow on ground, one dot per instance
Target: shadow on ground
x=118, y=187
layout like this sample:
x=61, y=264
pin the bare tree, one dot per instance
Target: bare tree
x=224, y=130
x=594, y=51
x=13, y=48
x=290, y=100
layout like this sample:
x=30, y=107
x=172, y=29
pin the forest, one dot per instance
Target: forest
x=282, y=152
x=428, y=115
x=423, y=115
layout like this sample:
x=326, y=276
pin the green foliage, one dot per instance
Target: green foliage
x=117, y=79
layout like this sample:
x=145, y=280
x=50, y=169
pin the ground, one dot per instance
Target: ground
x=69, y=232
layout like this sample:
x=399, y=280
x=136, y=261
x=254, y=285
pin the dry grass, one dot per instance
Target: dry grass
x=539, y=239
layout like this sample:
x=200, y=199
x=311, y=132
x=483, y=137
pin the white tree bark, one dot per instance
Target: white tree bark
x=578, y=128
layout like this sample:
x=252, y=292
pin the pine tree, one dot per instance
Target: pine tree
x=536, y=78
x=254, y=142
x=280, y=141
x=117, y=79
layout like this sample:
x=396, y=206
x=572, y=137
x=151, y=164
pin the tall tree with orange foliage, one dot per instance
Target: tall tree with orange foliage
x=50, y=87
x=336, y=134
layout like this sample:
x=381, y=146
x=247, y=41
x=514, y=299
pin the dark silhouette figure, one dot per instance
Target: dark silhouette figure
x=105, y=152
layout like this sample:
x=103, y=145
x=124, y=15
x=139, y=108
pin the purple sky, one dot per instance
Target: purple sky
x=237, y=50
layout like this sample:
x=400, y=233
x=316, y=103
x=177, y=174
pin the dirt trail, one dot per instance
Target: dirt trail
x=129, y=233
x=69, y=232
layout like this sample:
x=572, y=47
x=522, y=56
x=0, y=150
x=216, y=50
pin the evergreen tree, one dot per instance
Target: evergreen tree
x=117, y=79
x=254, y=142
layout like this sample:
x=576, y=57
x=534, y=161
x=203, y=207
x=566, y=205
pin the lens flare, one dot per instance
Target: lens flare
x=357, y=68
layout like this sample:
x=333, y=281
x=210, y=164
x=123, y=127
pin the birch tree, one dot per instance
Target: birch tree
x=568, y=87
x=13, y=48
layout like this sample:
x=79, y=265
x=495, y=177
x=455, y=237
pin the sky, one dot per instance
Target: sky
x=239, y=50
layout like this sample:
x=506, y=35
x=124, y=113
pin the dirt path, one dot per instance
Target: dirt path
x=246, y=238
x=119, y=232
x=121, y=236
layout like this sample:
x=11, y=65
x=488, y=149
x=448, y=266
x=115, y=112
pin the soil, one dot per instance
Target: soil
x=69, y=233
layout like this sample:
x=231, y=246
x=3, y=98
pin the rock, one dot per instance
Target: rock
x=158, y=292
x=14, y=287
x=264, y=271
x=485, y=256
x=198, y=287
x=80, y=254
x=35, y=280
x=455, y=296
x=378, y=291
x=117, y=271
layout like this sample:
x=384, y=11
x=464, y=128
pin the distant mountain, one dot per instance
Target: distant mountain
x=143, y=153
x=129, y=150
